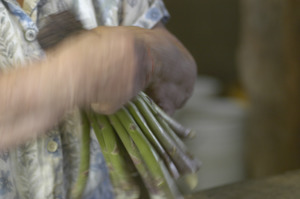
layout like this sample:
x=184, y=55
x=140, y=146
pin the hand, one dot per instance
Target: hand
x=109, y=67
x=175, y=70
x=132, y=56
x=172, y=71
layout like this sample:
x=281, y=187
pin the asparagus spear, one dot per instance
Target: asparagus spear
x=125, y=186
x=179, y=143
x=166, y=125
x=170, y=132
x=147, y=161
x=180, y=130
x=80, y=184
x=183, y=161
x=190, y=180
x=134, y=154
x=153, y=107
x=151, y=137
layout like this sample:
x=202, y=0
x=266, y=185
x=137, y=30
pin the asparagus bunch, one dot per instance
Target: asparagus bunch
x=141, y=144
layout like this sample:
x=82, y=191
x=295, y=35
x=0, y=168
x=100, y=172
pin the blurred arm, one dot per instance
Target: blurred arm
x=75, y=73
x=108, y=65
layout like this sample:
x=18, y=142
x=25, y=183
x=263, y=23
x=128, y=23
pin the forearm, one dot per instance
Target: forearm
x=32, y=99
x=107, y=69
x=106, y=66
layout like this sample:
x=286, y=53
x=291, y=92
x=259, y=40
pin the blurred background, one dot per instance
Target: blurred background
x=246, y=103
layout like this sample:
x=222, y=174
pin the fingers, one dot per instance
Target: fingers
x=127, y=66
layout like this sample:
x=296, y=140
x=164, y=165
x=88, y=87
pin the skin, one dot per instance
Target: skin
x=102, y=68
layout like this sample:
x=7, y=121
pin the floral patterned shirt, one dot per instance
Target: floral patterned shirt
x=47, y=167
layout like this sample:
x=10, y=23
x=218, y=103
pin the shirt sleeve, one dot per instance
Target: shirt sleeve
x=144, y=13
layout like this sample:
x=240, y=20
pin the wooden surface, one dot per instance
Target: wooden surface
x=285, y=186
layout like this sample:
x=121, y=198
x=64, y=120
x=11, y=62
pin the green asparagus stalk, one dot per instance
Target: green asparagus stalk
x=188, y=183
x=134, y=154
x=180, y=130
x=162, y=184
x=183, y=161
x=195, y=163
x=152, y=139
x=166, y=126
x=84, y=165
x=189, y=180
x=168, y=184
x=170, y=132
x=122, y=179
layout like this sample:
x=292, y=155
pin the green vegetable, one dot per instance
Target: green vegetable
x=159, y=186
x=180, y=130
x=152, y=139
x=143, y=151
x=124, y=184
x=183, y=161
x=84, y=164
